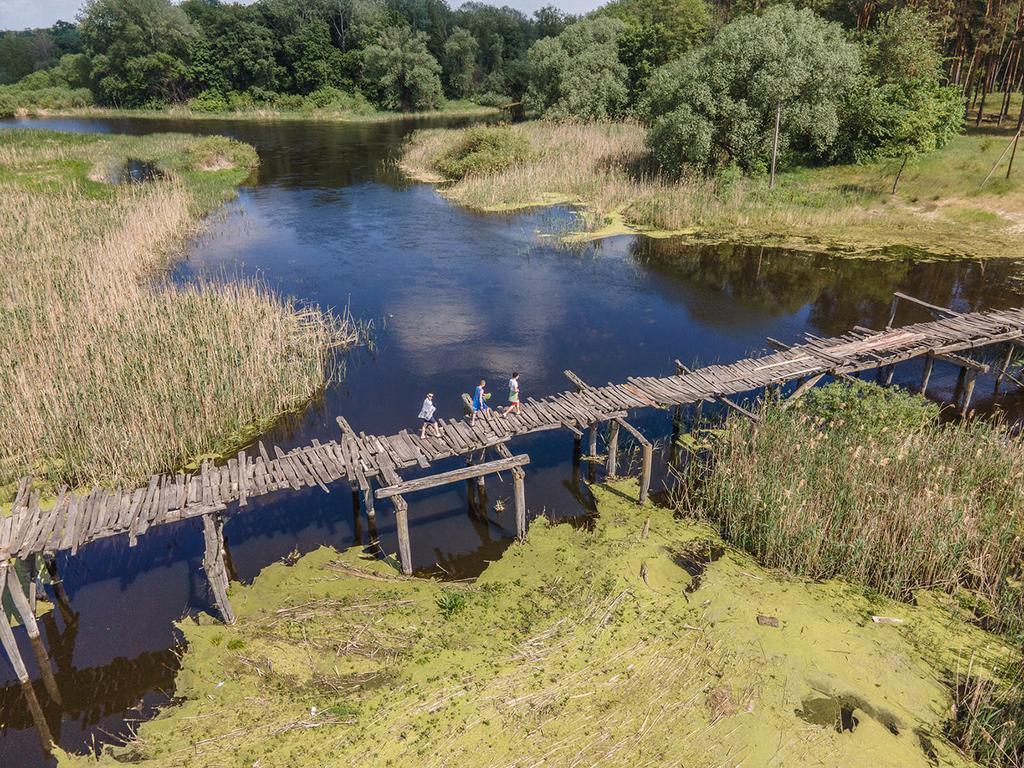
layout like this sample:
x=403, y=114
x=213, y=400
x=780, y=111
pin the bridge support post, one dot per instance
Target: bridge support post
x=889, y=374
x=28, y=619
x=368, y=500
x=402, y=526
x=929, y=361
x=592, y=444
x=613, y=448
x=968, y=391
x=519, y=501
x=213, y=564
x=1006, y=365
x=7, y=640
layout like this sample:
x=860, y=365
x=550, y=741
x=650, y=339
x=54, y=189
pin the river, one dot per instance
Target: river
x=453, y=295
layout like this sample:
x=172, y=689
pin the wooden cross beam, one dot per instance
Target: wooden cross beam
x=400, y=486
x=935, y=309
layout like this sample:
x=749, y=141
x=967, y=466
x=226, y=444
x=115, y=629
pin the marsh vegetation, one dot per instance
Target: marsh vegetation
x=113, y=372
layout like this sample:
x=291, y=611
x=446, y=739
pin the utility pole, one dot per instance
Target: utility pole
x=775, y=143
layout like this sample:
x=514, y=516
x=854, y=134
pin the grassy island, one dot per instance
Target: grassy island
x=112, y=372
x=605, y=168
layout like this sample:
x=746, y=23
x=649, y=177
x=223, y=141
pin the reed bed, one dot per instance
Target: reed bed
x=864, y=483
x=606, y=169
x=113, y=373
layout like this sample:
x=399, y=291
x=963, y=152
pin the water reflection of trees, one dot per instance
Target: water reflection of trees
x=837, y=291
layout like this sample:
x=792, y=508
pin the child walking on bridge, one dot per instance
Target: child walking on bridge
x=427, y=416
x=513, y=395
x=479, y=400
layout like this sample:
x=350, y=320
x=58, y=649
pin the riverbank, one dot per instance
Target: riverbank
x=646, y=641
x=940, y=205
x=452, y=109
x=113, y=372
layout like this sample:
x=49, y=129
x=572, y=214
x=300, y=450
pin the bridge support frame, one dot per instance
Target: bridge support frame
x=213, y=564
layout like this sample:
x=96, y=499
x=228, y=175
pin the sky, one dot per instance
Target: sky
x=26, y=14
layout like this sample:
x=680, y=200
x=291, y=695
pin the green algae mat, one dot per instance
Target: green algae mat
x=643, y=642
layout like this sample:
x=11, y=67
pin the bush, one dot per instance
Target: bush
x=492, y=99
x=17, y=96
x=337, y=100
x=484, y=150
x=864, y=483
x=208, y=101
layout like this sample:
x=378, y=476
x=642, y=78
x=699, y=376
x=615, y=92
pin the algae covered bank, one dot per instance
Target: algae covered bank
x=644, y=641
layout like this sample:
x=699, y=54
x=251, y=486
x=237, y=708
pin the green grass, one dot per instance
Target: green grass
x=455, y=108
x=112, y=373
x=579, y=647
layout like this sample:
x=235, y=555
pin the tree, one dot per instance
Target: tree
x=549, y=21
x=311, y=58
x=139, y=50
x=401, y=68
x=578, y=74
x=233, y=50
x=717, y=105
x=680, y=24
x=460, y=52
x=899, y=108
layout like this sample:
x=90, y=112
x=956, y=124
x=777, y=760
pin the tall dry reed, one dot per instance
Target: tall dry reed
x=110, y=372
x=864, y=483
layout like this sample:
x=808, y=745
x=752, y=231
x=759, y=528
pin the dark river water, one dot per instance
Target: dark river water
x=453, y=296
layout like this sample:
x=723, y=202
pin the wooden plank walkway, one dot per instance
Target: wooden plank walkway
x=77, y=519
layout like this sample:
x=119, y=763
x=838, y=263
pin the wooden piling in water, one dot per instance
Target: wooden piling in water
x=28, y=620
x=7, y=639
x=968, y=392
x=213, y=564
x=1005, y=366
x=929, y=362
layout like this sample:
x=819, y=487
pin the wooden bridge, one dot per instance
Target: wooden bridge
x=32, y=534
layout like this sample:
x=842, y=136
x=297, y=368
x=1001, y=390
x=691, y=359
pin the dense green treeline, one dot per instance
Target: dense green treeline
x=397, y=54
x=710, y=80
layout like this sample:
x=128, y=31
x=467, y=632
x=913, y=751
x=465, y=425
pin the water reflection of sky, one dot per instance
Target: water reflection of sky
x=454, y=295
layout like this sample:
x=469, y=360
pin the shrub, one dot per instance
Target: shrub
x=484, y=150
x=208, y=101
x=864, y=483
x=492, y=99
x=337, y=100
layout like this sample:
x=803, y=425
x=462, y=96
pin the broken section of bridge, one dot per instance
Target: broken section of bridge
x=32, y=535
